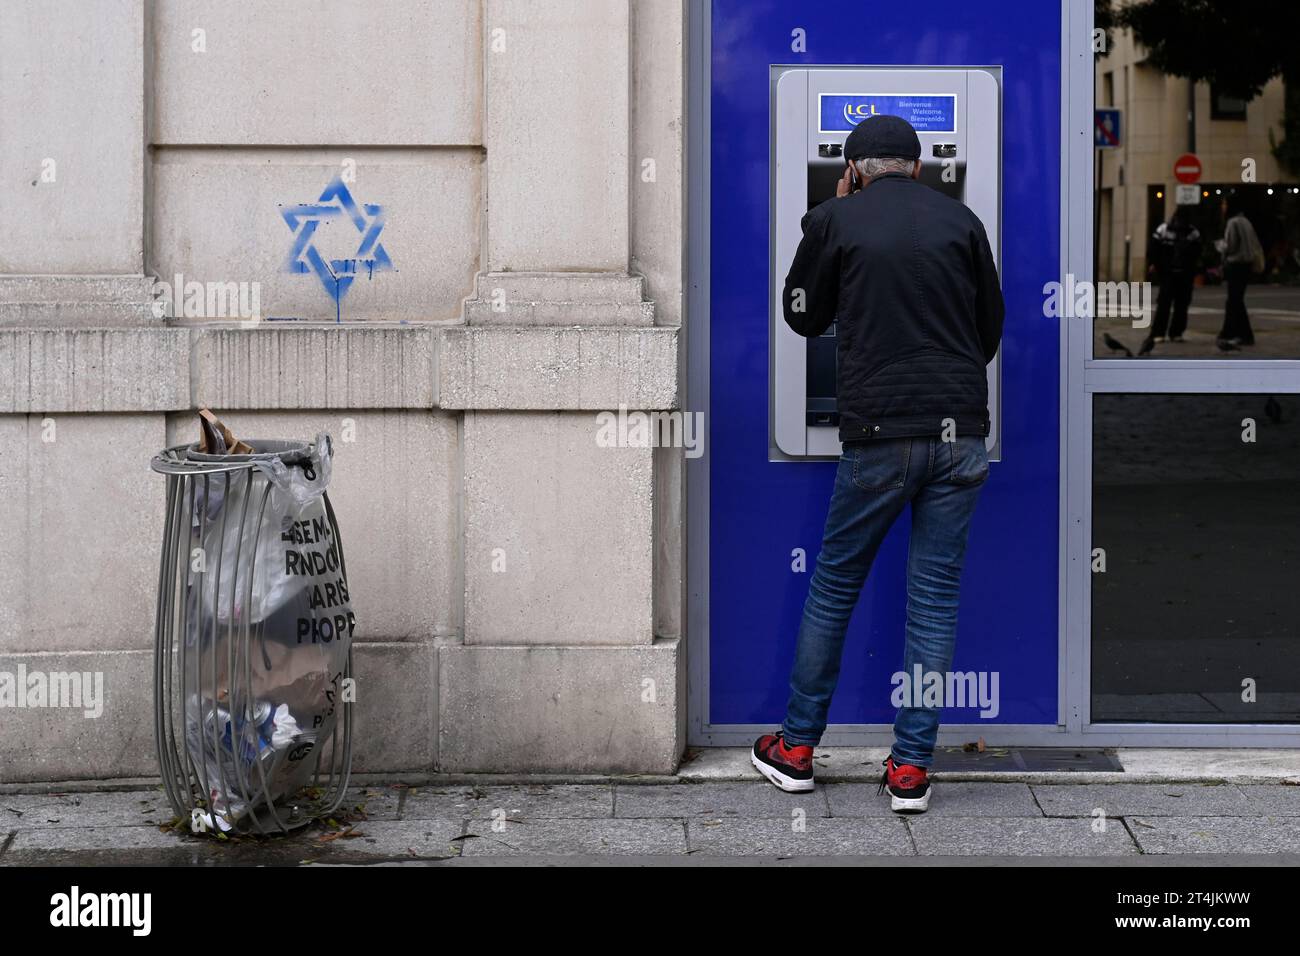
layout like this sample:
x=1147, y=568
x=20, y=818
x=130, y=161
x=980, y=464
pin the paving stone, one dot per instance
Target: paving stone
x=567, y=837
x=1149, y=799
x=434, y=838
x=950, y=798
x=1017, y=836
x=150, y=839
x=1216, y=834
x=724, y=818
x=35, y=811
x=717, y=800
x=1272, y=799
x=98, y=838
x=377, y=803
x=733, y=763
x=1245, y=764
x=819, y=837
x=530, y=802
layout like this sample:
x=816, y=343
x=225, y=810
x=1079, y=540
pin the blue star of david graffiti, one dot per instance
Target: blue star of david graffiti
x=337, y=275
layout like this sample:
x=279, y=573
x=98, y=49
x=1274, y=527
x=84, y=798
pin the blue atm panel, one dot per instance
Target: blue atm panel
x=767, y=506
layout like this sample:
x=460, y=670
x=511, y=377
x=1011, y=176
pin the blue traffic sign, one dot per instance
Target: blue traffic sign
x=1106, y=128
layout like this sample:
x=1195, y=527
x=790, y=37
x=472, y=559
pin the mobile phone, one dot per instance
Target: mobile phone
x=853, y=177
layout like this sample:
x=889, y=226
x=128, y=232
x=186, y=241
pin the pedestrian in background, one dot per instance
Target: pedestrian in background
x=1175, y=255
x=1242, y=255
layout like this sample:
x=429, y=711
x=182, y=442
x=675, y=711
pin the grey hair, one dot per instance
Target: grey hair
x=870, y=166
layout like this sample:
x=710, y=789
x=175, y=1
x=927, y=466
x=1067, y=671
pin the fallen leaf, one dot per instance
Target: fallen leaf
x=327, y=837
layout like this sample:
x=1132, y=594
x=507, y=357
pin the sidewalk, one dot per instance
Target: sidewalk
x=1167, y=806
x=1274, y=316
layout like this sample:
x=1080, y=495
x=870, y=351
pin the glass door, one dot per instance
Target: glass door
x=1183, y=461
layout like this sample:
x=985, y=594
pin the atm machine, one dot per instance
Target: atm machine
x=958, y=117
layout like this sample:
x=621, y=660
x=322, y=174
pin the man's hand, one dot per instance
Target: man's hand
x=845, y=185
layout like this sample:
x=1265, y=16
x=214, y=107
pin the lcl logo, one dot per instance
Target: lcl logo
x=855, y=113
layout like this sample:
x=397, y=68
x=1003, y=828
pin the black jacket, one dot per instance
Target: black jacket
x=1175, y=247
x=907, y=275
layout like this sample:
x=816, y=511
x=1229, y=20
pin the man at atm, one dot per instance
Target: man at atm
x=909, y=278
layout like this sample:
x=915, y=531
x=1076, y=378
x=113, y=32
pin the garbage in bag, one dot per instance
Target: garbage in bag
x=267, y=625
x=253, y=751
x=215, y=438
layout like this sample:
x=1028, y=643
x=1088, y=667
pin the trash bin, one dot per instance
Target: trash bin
x=252, y=639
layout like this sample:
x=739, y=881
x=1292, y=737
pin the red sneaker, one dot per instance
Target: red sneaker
x=790, y=768
x=909, y=787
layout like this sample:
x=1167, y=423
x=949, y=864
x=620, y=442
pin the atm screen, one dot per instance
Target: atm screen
x=823, y=175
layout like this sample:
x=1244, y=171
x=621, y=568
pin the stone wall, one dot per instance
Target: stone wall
x=518, y=587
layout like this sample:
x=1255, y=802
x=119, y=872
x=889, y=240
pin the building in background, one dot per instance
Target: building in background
x=1137, y=180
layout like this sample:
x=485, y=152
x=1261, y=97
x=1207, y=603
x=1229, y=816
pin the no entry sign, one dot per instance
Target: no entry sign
x=1187, y=168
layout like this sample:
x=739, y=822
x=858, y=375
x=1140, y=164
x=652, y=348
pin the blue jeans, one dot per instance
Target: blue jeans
x=875, y=481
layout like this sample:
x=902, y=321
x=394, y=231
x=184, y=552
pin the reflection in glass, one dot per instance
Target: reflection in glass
x=1199, y=602
x=1214, y=91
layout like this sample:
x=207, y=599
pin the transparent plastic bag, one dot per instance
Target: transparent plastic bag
x=269, y=627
